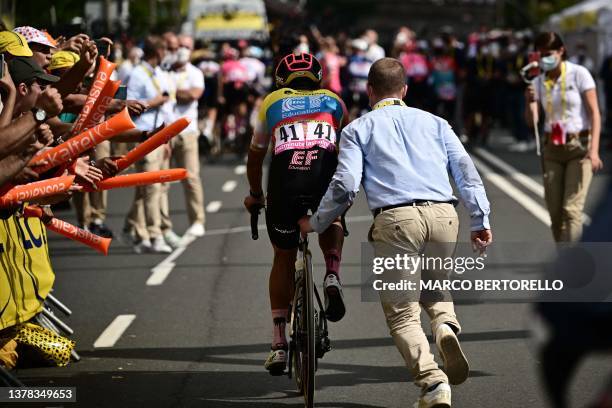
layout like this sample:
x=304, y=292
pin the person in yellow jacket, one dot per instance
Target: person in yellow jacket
x=26, y=275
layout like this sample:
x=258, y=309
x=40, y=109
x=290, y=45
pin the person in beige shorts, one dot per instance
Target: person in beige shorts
x=572, y=126
x=402, y=157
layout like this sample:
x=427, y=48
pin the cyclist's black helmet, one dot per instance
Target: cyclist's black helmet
x=295, y=66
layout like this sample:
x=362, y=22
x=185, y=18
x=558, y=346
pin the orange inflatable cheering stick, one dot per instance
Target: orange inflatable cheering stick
x=139, y=179
x=36, y=190
x=74, y=147
x=105, y=69
x=152, y=143
x=99, y=108
x=70, y=231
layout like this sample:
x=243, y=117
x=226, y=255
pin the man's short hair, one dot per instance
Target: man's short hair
x=387, y=76
x=151, y=45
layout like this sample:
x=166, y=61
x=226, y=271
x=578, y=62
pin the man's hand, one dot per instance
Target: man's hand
x=44, y=134
x=87, y=172
x=108, y=166
x=28, y=174
x=50, y=101
x=481, y=240
x=305, y=226
x=89, y=53
x=74, y=44
x=6, y=82
x=136, y=108
x=596, y=163
x=251, y=203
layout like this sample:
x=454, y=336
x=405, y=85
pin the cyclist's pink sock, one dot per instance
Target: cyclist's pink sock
x=279, y=318
x=332, y=262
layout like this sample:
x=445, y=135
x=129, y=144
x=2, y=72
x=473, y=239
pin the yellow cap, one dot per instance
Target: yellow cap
x=15, y=44
x=63, y=59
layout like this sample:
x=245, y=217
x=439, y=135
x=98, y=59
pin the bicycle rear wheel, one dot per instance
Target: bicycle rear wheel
x=309, y=356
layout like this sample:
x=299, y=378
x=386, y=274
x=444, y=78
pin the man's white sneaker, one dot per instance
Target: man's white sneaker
x=456, y=366
x=439, y=397
x=159, y=246
x=142, y=247
x=172, y=239
x=196, y=230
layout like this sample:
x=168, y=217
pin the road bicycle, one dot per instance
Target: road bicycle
x=307, y=322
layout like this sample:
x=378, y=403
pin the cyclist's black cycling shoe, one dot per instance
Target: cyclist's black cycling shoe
x=334, y=299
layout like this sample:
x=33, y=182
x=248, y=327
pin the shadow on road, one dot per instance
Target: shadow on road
x=228, y=388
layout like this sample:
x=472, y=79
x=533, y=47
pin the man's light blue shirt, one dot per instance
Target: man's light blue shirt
x=399, y=155
x=146, y=83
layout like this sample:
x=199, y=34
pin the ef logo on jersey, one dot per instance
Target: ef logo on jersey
x=302, y=159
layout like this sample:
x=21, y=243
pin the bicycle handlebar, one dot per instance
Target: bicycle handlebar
x=343, y=224
x=254, y=221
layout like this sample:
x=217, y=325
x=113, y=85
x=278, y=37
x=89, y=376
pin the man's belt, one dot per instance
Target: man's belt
x=583, y=134
x=415, y=203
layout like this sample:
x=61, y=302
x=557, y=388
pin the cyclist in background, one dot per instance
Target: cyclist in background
x=302, y=122
x=234, y=93
x=358, y=68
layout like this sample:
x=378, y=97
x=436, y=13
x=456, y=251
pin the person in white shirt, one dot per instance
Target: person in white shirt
x=375, y=51
x=572, y=126
x=125, y=68
x=188, y=82
x=147, y=83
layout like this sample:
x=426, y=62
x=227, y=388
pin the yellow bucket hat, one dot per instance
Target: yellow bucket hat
x=15, y=44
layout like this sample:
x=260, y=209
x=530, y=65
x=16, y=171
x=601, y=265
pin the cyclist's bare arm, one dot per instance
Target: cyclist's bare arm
x=256, y=156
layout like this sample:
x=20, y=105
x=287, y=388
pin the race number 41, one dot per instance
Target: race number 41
x=304, y=136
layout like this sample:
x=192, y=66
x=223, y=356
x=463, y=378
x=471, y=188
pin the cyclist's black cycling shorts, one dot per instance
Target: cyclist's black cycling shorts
x=293, y=190
x=282, y=216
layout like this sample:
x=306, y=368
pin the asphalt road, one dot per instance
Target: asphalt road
x=199, y=337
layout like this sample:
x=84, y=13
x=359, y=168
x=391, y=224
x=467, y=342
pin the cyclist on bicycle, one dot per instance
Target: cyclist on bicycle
x=302, y=122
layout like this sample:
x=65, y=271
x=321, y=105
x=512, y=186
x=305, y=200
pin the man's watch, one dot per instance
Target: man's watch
x=39, y=115
x=256, y=195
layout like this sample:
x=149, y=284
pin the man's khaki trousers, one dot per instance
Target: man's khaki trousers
x=432, y=231
x=185, y=154
x=567, y=177
x=145, y=216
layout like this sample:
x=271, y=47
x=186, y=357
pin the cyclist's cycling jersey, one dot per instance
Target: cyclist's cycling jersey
x=303, y=128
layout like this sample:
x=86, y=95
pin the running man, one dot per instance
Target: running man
x=302, y=122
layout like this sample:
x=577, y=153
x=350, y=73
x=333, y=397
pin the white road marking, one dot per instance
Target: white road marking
x=229, y=186
x=521, y=178
x=213, y=206
x=240, y=170
x=523, y=199
x=114, y=331
x=161, y=271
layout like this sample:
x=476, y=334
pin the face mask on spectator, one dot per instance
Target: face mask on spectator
x=302, y=48
x=549, y=62
x=169, y=60
x=183, y=55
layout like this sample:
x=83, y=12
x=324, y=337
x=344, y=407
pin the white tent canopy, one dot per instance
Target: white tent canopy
x=588, y=22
